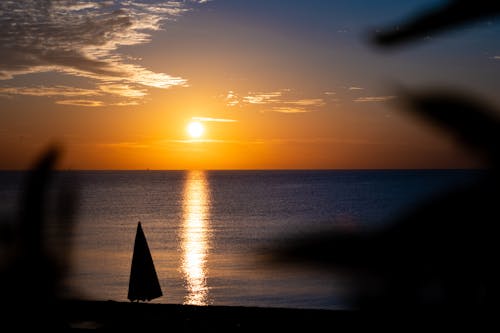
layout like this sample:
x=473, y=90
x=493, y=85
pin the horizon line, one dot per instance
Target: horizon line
x=266, y=169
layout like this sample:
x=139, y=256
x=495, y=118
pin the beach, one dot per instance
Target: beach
x=145, y=317
x=106, y=316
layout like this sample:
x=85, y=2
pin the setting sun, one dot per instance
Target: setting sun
x=195, y=129
x=240, y=137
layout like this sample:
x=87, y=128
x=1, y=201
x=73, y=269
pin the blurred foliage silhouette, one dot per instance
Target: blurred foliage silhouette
x=451, y=15
x=442, y=254
x=36, y=257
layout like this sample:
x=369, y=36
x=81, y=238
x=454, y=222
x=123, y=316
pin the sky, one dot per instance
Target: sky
x=275, y=84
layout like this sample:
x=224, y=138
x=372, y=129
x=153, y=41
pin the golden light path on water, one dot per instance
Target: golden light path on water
x=195, y=237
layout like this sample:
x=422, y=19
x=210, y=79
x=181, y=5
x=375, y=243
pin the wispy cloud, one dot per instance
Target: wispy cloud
x=48, y=91
x=217, y=120
x=355, y=88
x=232, y=99
x=333, y=140
x=190, y=141
x=497, y=57
x=125, y=93
x=263, y=98
x=307, y=102
x=82, y=38
x=124, y=90
x=288, y=109
x=373, y=99
x=81, y=102
x=283, y=101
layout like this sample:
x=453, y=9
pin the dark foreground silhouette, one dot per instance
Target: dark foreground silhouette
x=438, y=262
x=434, y=267
x=33, y=267
x=443, y=254
x=451, y=15
x=35, y=264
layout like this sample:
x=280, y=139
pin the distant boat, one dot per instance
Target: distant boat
x=143, y=283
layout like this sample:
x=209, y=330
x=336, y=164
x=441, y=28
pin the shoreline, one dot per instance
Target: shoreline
x=83, y=315
x=113, y=316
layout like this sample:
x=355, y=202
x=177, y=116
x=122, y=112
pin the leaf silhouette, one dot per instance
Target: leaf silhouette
x=440, y=254
x=452, y=15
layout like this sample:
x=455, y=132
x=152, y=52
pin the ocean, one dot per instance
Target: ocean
x=209, y=231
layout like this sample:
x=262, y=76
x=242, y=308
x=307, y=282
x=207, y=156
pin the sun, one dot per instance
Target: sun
x=195, y=129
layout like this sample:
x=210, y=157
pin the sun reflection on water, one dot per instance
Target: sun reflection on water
x=195, y=238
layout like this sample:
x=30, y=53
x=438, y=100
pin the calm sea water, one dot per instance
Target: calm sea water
x=207, y=229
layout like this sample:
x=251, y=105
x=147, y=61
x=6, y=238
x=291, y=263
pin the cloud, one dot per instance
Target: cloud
x=307, y=102
x=373, y=99
x=124, y=90
x=48, y=91
x=126, y=103
x=356, y=88
x=333, y=140
x=263, y=98
x=190, y=141
x=81, y=102
x=283, y=101
x=218, y=120
x=286, y=109
x=232, y=99
x=496, y=57
x=82, y=38
x=126, y=94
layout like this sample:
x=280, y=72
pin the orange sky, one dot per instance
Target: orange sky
x=272, y=92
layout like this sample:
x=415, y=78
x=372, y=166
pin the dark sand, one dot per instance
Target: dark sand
x=105, y=316
x=144, y=317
